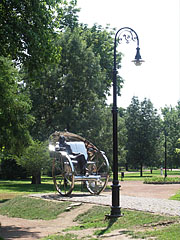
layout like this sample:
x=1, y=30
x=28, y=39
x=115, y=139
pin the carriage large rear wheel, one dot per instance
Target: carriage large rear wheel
x=63, y=174
x=99, y=167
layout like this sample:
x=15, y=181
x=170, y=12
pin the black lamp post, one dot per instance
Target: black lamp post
x=127, y=34
x=165, y=153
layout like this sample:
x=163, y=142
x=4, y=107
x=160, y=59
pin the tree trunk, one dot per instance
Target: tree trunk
x=151, y=171
x=36, y=178
x=141, y=170
x=127, y=168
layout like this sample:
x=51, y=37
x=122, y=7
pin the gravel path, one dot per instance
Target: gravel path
x=162, y=206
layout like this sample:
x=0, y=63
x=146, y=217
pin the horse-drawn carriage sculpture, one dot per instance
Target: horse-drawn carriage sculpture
x=66, y=169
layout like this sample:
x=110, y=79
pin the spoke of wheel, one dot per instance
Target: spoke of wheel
x=100, y=166
x=64, y=187
x=60, y=183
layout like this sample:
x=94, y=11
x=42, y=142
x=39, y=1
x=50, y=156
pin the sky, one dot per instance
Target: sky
x=157, y=23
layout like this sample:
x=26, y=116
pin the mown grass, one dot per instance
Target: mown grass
x=135, y=175
x=171, y=232
x=68, y=237
x=134, y=223
x=25, y=186
x=10, y=189
x=29, y=208
x=95, y=218
x=176, y=196
x=61, y=237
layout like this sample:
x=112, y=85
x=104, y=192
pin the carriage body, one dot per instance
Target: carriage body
x=66, y=170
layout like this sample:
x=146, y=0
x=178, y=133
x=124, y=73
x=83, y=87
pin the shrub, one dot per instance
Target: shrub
x=161, y=180
x=10, y=170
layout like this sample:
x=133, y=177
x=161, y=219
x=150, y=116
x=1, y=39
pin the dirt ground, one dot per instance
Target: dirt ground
x=16, y=228
x=138, y=189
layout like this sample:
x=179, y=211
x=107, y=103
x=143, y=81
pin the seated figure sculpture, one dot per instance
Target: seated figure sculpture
x=82, y=162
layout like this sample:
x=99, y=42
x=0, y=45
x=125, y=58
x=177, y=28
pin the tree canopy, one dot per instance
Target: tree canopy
x=70, y=92
x=15, y=106
x=35, y=157
x=171, y=128
x=143, y=130
x=28, y=30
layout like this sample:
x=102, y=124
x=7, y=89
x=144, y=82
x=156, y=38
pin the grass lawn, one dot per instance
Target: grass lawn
x=30, y=208
x=10, y=189
x=135, y=176
x=134, y=223
x=69, y=237
x=176, y=196
x=25, y=186
x=63, y=237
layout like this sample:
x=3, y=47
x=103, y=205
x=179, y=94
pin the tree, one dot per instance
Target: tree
x=178, y=149
x=28, y=30
x=15, y=106
x=102, y=42
x=34, y=158
x=171, y=127
x=143, y=130
x=122, y=137
x=132, y=125
x=70, y=92
x=152, y=131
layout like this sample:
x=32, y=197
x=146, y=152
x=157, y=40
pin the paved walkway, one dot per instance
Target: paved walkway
x=162, y=206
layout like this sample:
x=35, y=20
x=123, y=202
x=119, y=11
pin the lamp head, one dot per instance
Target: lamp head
x=138, y=60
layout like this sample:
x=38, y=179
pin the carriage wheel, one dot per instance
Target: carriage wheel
x=63, y=175
x=99, y=166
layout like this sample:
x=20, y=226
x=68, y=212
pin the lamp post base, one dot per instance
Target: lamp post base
x=115, y=208
x=115, y=213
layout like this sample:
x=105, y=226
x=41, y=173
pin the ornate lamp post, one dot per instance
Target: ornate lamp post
x=127, y=34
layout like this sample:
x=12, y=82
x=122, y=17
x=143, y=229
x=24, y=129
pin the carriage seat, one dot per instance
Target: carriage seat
x=78, y=147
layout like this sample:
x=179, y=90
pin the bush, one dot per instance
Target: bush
x=161, y=180
x=35, y=158
x=10, y=170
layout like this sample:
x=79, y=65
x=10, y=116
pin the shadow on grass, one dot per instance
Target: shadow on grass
x=119, y=234
x=4, y=200
x=110, y=224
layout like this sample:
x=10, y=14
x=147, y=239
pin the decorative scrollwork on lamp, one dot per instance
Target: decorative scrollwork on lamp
x=126, y=35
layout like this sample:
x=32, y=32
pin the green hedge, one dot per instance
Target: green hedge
x=162, y=180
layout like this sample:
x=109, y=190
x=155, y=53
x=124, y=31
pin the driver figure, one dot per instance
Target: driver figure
x=63, y=146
